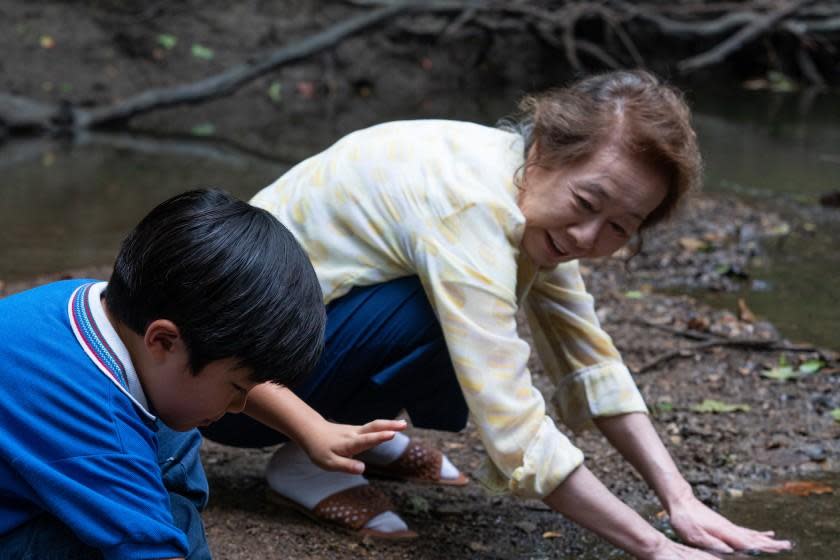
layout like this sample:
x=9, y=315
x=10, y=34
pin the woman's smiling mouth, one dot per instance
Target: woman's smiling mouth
x=555, y=248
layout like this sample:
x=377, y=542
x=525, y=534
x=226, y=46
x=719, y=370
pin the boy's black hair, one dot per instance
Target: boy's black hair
x=231, y=277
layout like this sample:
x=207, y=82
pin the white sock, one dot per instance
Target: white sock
x=390, y=451
x=293, y=475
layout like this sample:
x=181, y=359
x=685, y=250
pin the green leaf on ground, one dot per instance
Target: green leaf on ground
x=167, y=41
x=202, y=52
x=418, y=504
x=783, y=371
x=634, y=294
x=663, y=406
x=203, y=129
x=713, y=406
x=275, y=92
x=811, y=366
x=836, y=414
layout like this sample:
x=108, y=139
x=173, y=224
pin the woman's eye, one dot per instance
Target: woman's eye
x=585, y=204
x=618, y=229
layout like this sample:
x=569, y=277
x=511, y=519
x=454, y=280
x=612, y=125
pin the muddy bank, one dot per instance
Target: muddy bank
x=787, y=430
x=100, y=52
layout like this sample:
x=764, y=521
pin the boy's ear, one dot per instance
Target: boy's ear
x=163, y=337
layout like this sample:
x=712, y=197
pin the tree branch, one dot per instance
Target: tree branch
x=736, y=41
x=233, y=78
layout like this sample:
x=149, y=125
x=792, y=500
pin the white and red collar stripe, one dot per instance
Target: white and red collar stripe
x=101, y=343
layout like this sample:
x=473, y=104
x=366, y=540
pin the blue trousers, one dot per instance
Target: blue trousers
x=384, y=352
x=47, y=538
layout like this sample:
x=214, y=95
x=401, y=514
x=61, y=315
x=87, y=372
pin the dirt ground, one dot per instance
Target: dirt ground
x=787, y=432
x=96, y=54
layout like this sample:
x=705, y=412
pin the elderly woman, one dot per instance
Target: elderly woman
x=427, y=237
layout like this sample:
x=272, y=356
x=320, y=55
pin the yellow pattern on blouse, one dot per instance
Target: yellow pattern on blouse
x=437, y=199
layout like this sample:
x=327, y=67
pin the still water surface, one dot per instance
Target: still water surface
x=64, y=206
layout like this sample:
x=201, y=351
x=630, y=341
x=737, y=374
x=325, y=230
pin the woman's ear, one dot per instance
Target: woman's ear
x=162, y=338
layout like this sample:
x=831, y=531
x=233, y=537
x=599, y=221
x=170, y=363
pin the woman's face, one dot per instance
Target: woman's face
x=587, y=210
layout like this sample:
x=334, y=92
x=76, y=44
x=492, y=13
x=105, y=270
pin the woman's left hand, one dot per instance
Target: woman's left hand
x=700, y=526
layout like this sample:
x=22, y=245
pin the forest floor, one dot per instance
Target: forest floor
x=785, y=429
x=87, y=54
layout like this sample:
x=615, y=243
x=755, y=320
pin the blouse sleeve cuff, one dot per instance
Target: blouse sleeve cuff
x=605, y=389
x=549, y=459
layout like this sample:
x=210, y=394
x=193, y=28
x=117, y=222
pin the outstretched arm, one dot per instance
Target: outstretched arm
x=583, y=499
x=636, y=439
x=329, y=445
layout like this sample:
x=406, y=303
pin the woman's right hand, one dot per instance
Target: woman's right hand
x=670, y=550
x=583, y=499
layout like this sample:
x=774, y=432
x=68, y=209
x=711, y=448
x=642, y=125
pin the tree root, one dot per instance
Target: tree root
x=716, y=29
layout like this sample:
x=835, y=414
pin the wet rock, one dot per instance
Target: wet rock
x=526, y=526
x=814, y=452
x=831, y=199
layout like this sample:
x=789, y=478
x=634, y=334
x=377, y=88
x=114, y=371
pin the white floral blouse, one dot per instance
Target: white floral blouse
x=437, y=199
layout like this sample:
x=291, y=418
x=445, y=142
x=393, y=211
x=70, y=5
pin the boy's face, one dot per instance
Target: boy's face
x=185, y=401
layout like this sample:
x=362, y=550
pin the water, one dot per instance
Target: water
x=67, y=206
x=782, y=152
x=812, y=522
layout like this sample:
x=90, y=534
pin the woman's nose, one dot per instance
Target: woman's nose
x=585, y=234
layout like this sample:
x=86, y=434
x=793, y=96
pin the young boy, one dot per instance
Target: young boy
x=102, y=385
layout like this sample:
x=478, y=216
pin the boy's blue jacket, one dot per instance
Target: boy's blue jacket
x=71, y=442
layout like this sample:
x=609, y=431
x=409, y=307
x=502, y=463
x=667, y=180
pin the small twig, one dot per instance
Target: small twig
x=465, y=17
x=746, y=343
x=595, y=51
x=809, y=69
x=685, y=333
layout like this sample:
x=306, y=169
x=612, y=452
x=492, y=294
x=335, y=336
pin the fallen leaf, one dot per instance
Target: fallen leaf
x=780, y=82
x=203, y=129
x=811, y=366
x=305, y=89
x=202, y=52
x=634, y=294
x=744, y=312
x=418, y=504
x=47, y=42
x=780, y=373
x=552, y=534
x=779, y=229
x=692, y=244
x=167, y=41
x=664, y=406
x=803, y=488
x=784, y=372
x=713, y=406
x=275, y=92
x=836, y=414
